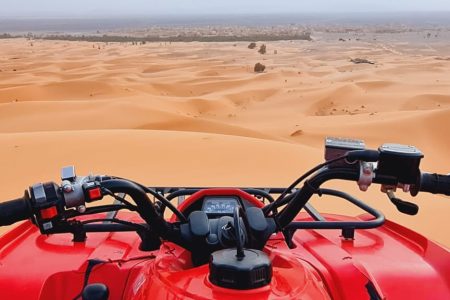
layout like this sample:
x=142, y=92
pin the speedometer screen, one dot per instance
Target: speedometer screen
x=219, y=205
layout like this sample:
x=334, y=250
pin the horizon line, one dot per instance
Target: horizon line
x=225, y=14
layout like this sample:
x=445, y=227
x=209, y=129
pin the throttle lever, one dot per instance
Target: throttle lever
x=405, y=207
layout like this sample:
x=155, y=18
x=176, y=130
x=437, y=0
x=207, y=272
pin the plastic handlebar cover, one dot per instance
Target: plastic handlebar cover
x=435, y=183
x=15, y=210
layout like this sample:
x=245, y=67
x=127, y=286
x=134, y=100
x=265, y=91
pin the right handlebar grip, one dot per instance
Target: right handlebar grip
x=435, y=183
x=15, y=210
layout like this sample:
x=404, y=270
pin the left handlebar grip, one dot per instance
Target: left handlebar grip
x=15, y=210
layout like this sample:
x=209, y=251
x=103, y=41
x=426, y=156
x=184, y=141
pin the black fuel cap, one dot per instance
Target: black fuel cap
x=252, y=271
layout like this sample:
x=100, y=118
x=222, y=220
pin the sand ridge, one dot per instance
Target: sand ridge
x=196, y=113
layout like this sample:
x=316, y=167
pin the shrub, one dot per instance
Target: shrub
x=259, y=68
x=262, y=49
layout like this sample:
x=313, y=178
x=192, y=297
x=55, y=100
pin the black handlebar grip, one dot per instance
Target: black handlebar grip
x=435, y=183
x=15, y=210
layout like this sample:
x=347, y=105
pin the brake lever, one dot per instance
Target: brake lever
x=402, y=206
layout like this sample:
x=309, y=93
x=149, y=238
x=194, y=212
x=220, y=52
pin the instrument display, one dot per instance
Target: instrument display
x=216, y=205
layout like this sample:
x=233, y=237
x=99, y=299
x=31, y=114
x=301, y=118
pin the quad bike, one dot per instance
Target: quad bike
x=225, y=243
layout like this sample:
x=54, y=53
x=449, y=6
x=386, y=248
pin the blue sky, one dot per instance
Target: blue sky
x=45, y=8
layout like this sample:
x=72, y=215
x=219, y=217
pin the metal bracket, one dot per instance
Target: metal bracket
x=348, y=233
x=366, y=175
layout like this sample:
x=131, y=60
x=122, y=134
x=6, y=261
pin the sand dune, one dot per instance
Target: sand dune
x=197, y=114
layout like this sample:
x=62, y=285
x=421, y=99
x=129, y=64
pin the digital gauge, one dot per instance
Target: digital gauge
x=219, y=205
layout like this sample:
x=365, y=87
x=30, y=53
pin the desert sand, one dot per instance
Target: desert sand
x=195, y=114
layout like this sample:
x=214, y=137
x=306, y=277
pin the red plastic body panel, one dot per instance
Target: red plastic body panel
x=35, y=266
x=400, y=263
x=396, y=262
x=172, y=277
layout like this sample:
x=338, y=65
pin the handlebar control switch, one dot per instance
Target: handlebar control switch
x=73, y=193
x=92, y=191
x=398, y=164
x=78, y=190
x=48, y=205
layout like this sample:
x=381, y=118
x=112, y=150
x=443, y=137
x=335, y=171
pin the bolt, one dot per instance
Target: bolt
x=67, y=188
x=363, y=187
x=81, y=209
x=406, y=188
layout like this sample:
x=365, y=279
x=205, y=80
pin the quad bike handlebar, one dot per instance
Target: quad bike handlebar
x=53, y=207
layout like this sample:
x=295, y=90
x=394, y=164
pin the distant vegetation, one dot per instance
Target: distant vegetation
x=116, y=38
x=184, y=38
x=361, y=61
x=6, y=36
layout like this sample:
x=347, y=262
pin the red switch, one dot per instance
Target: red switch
x=95, y=194
x=49, y=213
